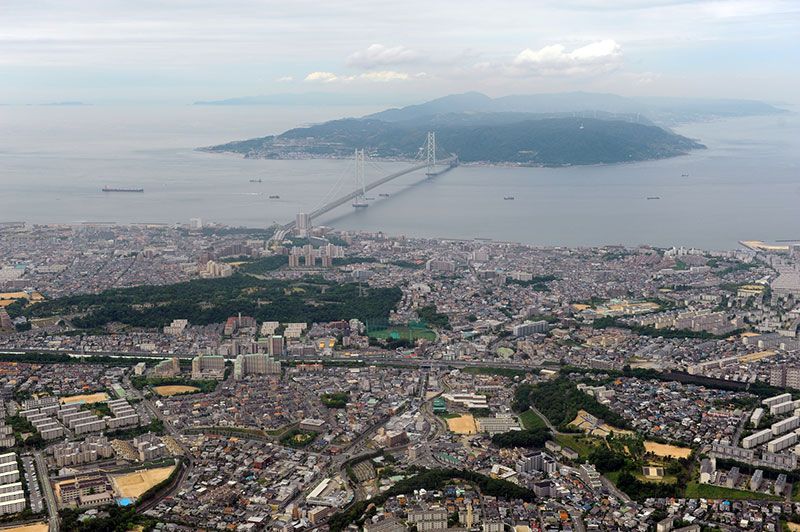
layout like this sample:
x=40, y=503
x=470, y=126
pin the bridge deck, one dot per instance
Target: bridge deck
x=374, y=184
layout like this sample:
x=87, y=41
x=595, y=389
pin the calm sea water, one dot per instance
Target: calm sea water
x=55, y=160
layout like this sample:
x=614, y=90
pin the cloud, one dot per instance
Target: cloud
x=324, y=77
x=600, y=56
x=285, y=79
x=647, y=78
x=384, y=75
x=377, y=55
x=380, y=76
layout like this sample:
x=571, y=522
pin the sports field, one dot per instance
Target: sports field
x=99, y=397
x=168, y=390
x=662, y=449
x=405, y=333
x=462, y=424
x=134, y=484
x=35, y=527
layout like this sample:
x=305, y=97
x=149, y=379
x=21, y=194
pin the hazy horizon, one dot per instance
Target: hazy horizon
x=394, y=54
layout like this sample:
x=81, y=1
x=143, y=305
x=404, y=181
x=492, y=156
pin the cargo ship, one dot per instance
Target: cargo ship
x=113, y=189
x=508, y=198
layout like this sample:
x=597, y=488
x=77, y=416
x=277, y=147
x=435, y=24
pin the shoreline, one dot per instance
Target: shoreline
x=472, y=164
x=753, y=245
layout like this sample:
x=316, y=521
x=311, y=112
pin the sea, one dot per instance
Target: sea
x=54, y=161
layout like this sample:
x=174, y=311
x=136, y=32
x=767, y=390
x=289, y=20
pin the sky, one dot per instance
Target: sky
x=394, y=52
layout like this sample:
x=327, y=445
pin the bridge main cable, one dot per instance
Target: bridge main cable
x=351, y=196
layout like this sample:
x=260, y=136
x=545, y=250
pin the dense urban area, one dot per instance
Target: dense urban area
x=204, y=377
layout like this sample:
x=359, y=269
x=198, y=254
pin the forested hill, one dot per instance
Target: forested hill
x=206, y=301
x=519, y=138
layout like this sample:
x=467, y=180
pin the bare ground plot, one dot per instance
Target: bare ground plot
x=463, y=424
x=591, y=425
x=36, y=527
x=134, y=484
x=99, y=397
x=166, y=391
x=662, y=449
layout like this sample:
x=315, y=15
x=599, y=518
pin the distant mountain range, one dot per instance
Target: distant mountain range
x=543, y=129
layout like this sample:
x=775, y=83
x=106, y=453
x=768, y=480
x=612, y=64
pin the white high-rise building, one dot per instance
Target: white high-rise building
x=302, y=224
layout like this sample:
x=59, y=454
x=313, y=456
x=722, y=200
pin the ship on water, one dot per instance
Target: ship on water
x=115, y=189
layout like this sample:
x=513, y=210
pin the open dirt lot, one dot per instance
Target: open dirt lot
x=36, y=527
x=99, y=397
x=462, y=425
x=166, y=391
x=661, y=449
x=589, y=424
x=134, y=484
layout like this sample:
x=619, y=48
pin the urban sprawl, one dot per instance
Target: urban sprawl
x=204, y=377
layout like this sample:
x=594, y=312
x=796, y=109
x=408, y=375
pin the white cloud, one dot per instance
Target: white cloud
x=285, y=79
x=324, y=77
x=647, y=78
x=380, y=76
x=384, y=75
x=377, y=55
x=600, y=56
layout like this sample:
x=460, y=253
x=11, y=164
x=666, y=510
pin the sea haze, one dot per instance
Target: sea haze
x=55, y=159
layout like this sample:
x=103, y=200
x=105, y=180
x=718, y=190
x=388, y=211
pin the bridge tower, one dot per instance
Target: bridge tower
x=430, y=153
x=360, y=201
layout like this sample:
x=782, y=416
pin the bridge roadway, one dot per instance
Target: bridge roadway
x=353, y=195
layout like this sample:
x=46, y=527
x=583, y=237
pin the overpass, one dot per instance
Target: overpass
x=430, y=163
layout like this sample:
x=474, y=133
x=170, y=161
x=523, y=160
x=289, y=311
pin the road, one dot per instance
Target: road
x=185, y=469
x=47, y=491
x=609, y=486
x=740, y=428
x=613, y=490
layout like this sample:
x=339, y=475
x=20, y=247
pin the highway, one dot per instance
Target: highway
x=47, y=491
x=184, y=469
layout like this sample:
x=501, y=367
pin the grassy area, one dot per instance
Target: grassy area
x=579, y=443
x=406, y=333
x=531, y=420
x=695, y=490
x=666, y=479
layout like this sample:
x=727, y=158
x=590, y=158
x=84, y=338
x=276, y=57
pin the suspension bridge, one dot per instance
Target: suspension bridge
x=433, y=167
